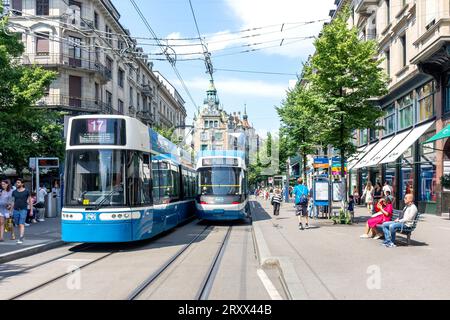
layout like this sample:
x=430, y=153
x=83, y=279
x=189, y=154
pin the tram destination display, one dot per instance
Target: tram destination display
x=98, y=132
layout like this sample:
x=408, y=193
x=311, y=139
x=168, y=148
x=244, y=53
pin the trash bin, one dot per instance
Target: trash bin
x=51, y=206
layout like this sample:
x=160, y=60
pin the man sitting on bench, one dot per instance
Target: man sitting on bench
x=406, y=219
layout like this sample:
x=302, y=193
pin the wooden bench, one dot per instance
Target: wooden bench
x=407, y=231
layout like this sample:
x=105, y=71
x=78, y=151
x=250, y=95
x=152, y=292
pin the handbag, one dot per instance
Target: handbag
x=9, y=225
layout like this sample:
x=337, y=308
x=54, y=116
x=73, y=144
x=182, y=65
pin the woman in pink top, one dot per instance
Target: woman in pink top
x=385, y=214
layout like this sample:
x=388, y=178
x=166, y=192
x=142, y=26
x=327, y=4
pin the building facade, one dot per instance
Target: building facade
x=100, y=67
x=413, y=39
x=215, y=129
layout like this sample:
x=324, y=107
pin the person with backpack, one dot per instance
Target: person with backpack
x=277, y=199
x=302, y=196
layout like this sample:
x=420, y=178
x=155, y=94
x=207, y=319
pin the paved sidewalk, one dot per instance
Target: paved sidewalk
x=38, y=237
x=332, y=262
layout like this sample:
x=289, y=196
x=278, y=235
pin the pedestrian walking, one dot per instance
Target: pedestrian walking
x=368, y=197
x=356, y=195
x=351, y=207
x=40, y=204
x=5, y=206
x=387, y=188
x=301, y=193
x=277, y=199
x=22, y=198
x=377, y=195
x=31, y=218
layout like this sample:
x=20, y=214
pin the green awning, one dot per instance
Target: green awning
x=444, y=134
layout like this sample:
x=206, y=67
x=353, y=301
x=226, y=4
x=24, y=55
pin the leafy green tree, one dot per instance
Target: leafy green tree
x=299, y=123
x=345, y=73
x=167, y=133
x=25, y=130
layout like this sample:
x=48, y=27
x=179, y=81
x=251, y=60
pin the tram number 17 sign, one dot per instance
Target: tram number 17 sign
x=96, y=126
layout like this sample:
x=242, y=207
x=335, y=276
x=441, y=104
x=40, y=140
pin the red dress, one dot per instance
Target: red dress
x=373, y=222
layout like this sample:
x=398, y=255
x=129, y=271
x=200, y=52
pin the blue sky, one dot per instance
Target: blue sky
x=219, y=21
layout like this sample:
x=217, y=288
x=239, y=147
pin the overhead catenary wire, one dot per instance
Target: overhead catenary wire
x=170, y=59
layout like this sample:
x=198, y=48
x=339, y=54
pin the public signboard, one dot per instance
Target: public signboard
x=321, y=163
x=321, y=192
x=338, y=192
x=48, y=163
x=32, y=163
x=336, y=167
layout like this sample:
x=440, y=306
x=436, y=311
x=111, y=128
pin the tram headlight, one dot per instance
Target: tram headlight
x=113, y=216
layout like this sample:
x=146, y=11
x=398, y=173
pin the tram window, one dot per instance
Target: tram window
x=165, y=181
x=156, y=183
x=185, y=183
x=176, y=182
x=146, y=179
x=86, y=182
x=133, y=179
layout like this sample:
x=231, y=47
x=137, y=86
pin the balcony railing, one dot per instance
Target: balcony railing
x=68, y=61
x=147, y=90
x=76, y=104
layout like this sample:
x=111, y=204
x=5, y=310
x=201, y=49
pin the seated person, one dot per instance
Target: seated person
x=406, y=219
x=385, y=212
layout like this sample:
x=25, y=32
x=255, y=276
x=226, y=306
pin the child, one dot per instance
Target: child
x=351, y=207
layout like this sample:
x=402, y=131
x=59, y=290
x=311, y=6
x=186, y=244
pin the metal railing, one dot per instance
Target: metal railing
x=67, y=61
x=76, y=104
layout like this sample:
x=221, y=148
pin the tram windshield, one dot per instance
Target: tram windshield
x=96, y=178
x=220, y=181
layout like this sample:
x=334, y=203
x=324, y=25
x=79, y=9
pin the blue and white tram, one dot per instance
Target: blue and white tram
x=124, y=182
x=223, y=193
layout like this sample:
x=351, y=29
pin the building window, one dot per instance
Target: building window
x=42, y=7
x=109, y=64
x=17, y=6
x=138, y=101
x=404, y=53
x=97, y=93
x=109, y=98
x=447, y=95
x=426, y=102
x=75, y=49
x=96, y=20
x=108, y=34
x=121, y=75
x=406, y=111
x=389, y=120
x=204, y=136
x=363, y=137
x=43, y=44
x=207, y=124
x=131, y=96
x=204, y=147
x=218, y=136
x=120, y=106
x=388, y=62
x=428, y=178
x=388, y=11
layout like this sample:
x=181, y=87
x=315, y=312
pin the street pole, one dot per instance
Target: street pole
x=288, y=179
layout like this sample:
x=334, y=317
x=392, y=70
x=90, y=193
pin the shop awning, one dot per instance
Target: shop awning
x=407, y=143
x=379, y=158
x=444, y=134
x=361, y=153
x=367, y=161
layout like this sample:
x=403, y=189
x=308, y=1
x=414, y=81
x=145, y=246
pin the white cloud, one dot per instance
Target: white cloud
x=271, y=15
x=240, y=87
x=256, y=13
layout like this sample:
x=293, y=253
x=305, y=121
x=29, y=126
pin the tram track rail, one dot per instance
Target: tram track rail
x=62, y=276
x=208, y=280
x=79, y=248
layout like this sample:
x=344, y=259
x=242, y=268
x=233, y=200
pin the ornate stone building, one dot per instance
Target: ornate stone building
x=215, y=129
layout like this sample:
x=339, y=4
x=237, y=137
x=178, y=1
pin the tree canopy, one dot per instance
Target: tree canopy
x=25, y=130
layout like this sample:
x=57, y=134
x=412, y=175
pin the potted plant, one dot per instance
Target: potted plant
x=343, y=218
